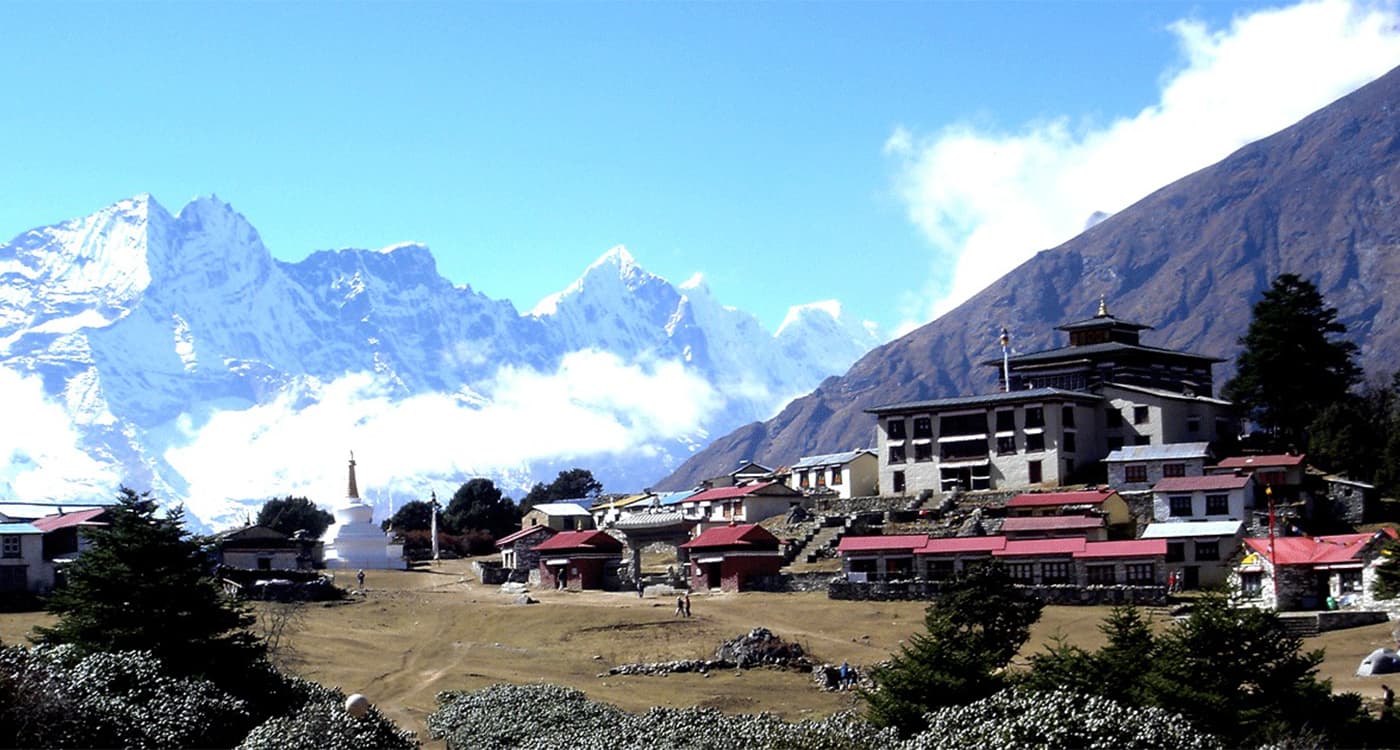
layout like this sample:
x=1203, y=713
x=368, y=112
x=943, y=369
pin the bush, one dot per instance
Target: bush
x=323, y=724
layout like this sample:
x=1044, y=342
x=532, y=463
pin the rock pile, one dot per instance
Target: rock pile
x=760, y=647
x=669, y=667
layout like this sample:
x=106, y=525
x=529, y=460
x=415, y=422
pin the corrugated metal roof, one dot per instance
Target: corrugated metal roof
x=1034, y=394
x=1125, y=548
x=1050, y=523
x=1312, y=550
x=948, y=545
x=1043, y=499
x=1204, y=483
x=1108, y=347
x=1255, y=462
x=892, y=543
x=1064, y=546
x=739, y=535
x=1160, y=393
x=562, y=508
x=18, y=528
x=511, y=538
x=1188, y=529
x=32, y=511
x=830, y=459
x=78, y=518
x=1164, y=452
x=596, y=541
x=729, y=493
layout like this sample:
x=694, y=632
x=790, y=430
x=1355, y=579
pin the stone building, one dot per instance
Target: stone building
x=1058, y=411
x=1303, y=573
x=733, y=558
x=579, y=559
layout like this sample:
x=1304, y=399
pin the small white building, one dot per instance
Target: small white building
x=1217, y=497
x=1302, y=572
x=1138, y=467
x=1199, y=552
x=22, y=565
x=843, y=475
x=565, y=515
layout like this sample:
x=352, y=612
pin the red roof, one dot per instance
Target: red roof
x=892, y=543
x=1312, y=550
x=1065, y=546
x=741, y=535
x=1042, y=499
x=1050, y=523
x=1126, y=548
x=1258, y=462
x=64, y=520
x=590, y=541
x=1202, y=483
x=729, y=493
x=521, y=534
x=948, y=545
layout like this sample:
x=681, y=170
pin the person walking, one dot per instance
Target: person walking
x=687, y=604
x=360, y=578
x=680, y=606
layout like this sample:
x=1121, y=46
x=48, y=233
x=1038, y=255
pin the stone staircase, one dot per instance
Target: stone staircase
x=826, y=538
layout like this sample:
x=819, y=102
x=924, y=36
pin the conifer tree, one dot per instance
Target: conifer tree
x=1292, y=366
x=144, y=585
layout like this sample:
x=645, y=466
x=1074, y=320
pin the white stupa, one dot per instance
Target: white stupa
x=354, y=541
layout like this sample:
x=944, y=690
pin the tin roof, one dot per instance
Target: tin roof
x=1044, y=499
x=892, y=543
x=562, y=508
x=521, y=534
x=18, y=528
x=1312, y=550
x=590, y=541
x=729, y=493
x=1033, y=394
x=947, y=545
x=1125, y=548
x=1257, y=462
x=1202, y=483
x=830, y=459
x=740, y=535
x=1062, y=546
x=1189, y=529
x=1164, y=452
x=1050, y=523
x=63, y=521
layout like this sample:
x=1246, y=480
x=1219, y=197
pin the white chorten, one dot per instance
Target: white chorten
x=354, y=541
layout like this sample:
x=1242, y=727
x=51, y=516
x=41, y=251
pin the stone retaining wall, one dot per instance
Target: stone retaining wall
x=929, y=590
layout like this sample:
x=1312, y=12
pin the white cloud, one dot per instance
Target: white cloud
x=987, y=201
x=594, y=404
x=40, y=459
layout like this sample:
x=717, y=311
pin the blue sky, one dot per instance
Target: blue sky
x=894, y=156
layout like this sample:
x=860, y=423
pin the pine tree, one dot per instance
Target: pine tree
x=972, y=632
x=144, y=584
x=1292, y=367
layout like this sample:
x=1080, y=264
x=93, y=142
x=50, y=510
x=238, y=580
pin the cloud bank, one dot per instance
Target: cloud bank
x=40, y=457
x=987, y=201
x=593, y=404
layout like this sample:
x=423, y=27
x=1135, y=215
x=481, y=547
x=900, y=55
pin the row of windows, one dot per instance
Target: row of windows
x=1058, y=572
x=1138, y=472
x=1205, y=550
x=962, y=450
x=973, y=424
x=1252, y=583
x=1182, y=505
x=804, y=478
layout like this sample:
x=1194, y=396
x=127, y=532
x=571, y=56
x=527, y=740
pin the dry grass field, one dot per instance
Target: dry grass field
x=415, y=633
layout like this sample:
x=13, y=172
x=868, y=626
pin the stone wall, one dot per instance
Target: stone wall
x=1069, y=595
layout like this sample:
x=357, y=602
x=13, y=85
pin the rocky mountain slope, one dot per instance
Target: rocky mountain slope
x=1321, y=198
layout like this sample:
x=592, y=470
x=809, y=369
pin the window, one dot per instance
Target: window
x=1035, y=416
x=1033, y=470
x=821, y=477
x=923, y=451
x=11, y=547
x=1180, y=505
x=1142, y=440
x=1101, y=575
x=1006, y=420
x=940, y=570
x=894, y=429
x=1114, y=418
x=1217, y=505
x=896, y=454
x=14, y=577
x=1208, y=550
x=1035, y=442
x=1140, y=415
x=836, y=478
x=1173, y=470
x=963, y=424
x=1069, y=442
x=1252, y=584
x=1135, y=473
x=1350, y=581
x=923, y=427
x=802, y=479
x=1055, y=572
x=1021, y=572
x=1006, y=444
x=1176, y=551
x=1067, y=416
x=897, y=480
x=1193, y=424
x=1115, y=443
x=1139, y=574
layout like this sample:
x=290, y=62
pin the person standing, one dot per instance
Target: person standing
x=360, y=578
x=687, y=604
x=680, y=606
x=1387, y=702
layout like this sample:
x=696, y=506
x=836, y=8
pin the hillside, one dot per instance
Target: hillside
x=1318, y=198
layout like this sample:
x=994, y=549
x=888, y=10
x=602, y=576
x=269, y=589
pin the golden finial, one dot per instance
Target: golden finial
x=1103, y=307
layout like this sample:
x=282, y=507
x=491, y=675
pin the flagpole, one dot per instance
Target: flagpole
x=1005, y=359
x=435, y=514
x=1273, y=556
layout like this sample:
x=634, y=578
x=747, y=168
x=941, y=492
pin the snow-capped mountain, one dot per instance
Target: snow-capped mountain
x=185, y=359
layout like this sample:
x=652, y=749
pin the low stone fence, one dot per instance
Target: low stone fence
x=491, y=573
x=929, y=590
x=1349, y=619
